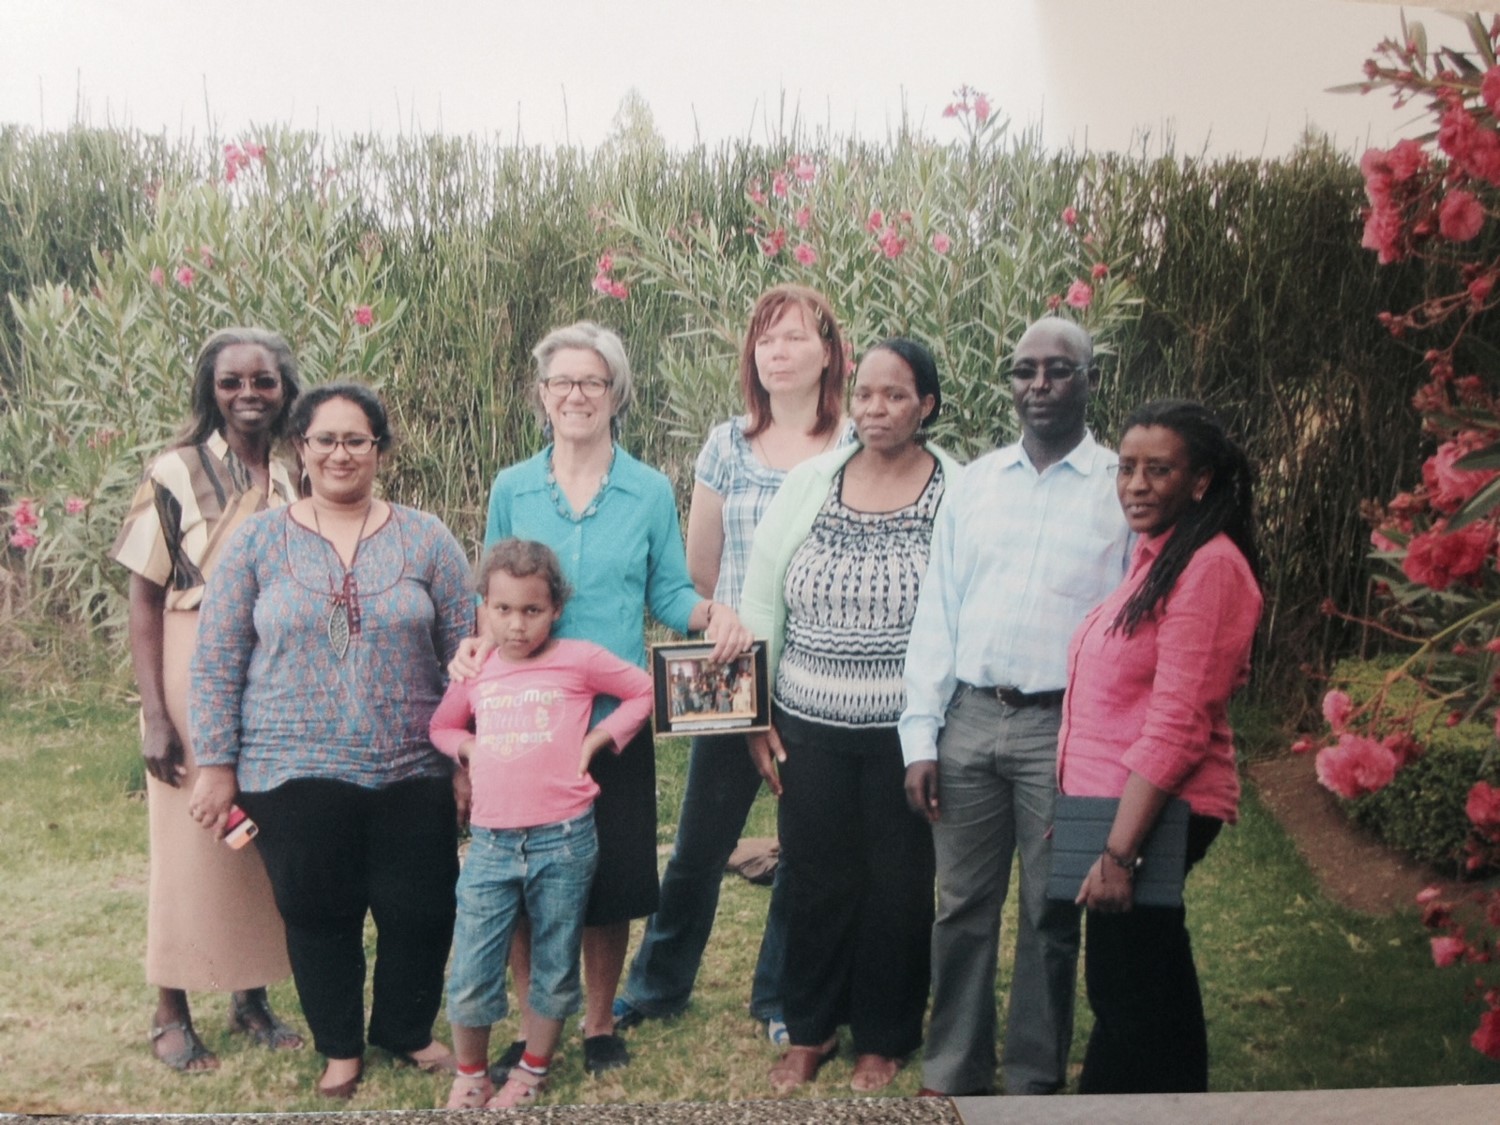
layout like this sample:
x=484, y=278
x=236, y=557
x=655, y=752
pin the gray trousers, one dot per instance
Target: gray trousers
x=997, y=776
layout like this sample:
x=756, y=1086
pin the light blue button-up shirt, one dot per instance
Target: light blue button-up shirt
x=1018, y=559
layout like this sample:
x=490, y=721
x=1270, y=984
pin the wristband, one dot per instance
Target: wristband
x=1129, y=866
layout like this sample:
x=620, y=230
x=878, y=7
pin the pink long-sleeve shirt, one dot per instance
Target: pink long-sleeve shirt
x=528, y=720
x=1156, y=702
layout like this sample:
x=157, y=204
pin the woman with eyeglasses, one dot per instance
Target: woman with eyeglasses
x=326, y=628
x=613, y=523
x=1146, y=719
x=211, y=923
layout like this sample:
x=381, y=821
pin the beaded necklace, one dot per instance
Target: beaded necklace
x=560, y=502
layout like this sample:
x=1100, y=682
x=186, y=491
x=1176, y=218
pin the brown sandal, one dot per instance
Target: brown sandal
x=874, y=1072
x=800, y=1065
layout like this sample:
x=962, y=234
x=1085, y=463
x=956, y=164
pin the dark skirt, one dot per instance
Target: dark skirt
x=626, y=884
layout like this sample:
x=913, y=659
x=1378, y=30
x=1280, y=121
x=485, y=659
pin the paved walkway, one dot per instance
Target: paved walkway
x=1448, y=1105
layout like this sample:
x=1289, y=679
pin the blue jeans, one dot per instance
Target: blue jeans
x=544, y=872
x=721, y=787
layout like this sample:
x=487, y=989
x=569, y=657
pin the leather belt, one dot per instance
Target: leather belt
x=1018, y=699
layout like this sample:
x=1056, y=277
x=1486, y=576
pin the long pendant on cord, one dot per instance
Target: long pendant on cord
x=343, y=616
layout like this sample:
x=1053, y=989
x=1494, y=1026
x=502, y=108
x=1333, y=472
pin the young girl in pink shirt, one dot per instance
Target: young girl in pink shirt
x=521, y=729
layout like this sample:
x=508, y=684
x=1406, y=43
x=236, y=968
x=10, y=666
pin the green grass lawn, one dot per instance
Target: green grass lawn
x=1300, y=993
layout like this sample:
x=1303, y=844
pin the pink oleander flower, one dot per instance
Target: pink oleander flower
x=941, y=243
x=1449, y=487
x=23, y=513
x=950, y=110
x=75, y=505
x=1489, y=89
x=158, y=276
x=185, y=276
x=1460, y=216
x=1480, y=289
x=804, y=169
x=773, y=243
x=981, y=108
x=1448, y=951
x=619, y=290
x=1054, y=302
x=1438, y=558
x=364, y=316
x=23, y=540
x=805, y=254
x=1303, y=745
x=254, y=151
x=1483, y=805
x=1070, y=216
x=1336, y=708
x=1080, y=295
x=1099, y=272
x=606, y=263
x=803, y=217
x=778, y=186
x=875, y=222
x=755, y=193
x=601, y=283
x=1486, y=1037
x=1429, y=894
x=892, y=245
x=1354, y=766
x=1385, y=233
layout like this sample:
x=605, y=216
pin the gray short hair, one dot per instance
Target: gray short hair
x=585, y=335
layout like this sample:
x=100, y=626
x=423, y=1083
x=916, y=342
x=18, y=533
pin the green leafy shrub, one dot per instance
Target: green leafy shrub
x=1421, y=811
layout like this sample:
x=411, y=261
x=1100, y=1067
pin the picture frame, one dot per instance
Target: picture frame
x=695, y=695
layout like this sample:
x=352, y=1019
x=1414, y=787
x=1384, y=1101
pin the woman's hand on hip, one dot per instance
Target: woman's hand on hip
x=161, y=748
x=470, y=657
x=765, y=751
x=213, y=794
x=1107, y=888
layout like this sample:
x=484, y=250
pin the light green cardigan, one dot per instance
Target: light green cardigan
x=783, y=529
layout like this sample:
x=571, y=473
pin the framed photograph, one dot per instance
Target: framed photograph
x=695, y=695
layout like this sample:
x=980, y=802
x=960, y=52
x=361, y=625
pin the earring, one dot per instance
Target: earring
x=547, y=430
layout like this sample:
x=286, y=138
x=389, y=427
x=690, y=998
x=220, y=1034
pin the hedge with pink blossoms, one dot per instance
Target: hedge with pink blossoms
x=1436, y=199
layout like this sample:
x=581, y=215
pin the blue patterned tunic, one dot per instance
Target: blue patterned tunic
x=271, y=696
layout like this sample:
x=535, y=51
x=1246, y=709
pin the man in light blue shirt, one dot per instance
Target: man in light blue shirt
x=1027, y=542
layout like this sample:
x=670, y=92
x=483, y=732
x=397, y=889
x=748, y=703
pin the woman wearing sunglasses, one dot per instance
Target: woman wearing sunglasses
x=211, y=924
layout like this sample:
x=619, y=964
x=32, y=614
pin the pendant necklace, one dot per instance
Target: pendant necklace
x=343, y=614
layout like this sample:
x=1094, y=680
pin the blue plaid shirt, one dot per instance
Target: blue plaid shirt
x=728, y=467
x=1018, y=560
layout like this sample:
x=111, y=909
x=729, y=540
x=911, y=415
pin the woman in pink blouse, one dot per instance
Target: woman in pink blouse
x=1150, y=673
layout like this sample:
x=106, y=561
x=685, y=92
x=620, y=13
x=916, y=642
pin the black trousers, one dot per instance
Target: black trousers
x=858, y=873
x=335, y=851
x=1149, y=1034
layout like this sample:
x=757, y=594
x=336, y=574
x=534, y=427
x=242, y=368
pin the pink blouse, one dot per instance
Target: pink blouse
x=1156, y=702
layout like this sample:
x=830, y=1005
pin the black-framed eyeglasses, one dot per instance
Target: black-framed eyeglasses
x=1054, y=371
x=231, y=383
x=561, y=386
x=357, y=445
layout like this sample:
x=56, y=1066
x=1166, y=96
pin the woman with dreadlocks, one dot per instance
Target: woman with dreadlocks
x=1150, y=673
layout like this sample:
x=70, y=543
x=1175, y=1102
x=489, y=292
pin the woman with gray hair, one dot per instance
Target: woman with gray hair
x=613, y=523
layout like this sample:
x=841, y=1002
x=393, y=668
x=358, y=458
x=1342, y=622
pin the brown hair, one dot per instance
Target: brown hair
x=815, y=307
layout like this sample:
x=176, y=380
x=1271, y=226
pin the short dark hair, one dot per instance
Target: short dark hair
x=522, y=558
x=918, y=357
x=206, y=417
x=357, y=393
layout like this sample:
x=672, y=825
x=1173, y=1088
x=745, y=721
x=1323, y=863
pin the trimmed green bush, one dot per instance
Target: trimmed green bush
x=1421, y=812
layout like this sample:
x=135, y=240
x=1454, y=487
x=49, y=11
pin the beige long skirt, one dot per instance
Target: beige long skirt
x=211, y=923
